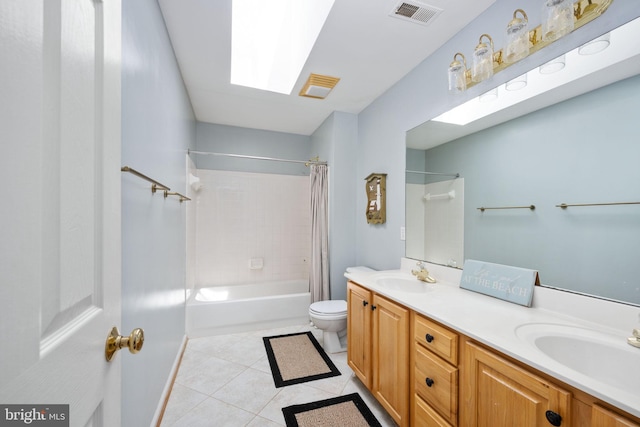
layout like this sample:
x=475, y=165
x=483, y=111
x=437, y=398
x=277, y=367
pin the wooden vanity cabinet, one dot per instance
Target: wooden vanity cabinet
x=499, y=393
x=359, y=301
x=602, y=417
x=397, y=353
x=378, y=348
x=434, y=374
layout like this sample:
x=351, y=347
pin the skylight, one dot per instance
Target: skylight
x=271, y=41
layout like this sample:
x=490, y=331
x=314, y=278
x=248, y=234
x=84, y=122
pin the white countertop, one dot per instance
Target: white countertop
x=494, y=322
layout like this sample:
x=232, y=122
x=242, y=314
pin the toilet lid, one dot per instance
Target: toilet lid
x=329, y=307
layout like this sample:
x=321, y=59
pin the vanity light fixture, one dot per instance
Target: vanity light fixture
x=577, y=67
x=457, y=74
x=517, y=37
x=482, y=67
x=559, y=17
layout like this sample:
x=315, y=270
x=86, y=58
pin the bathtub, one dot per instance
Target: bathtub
x=221, y=310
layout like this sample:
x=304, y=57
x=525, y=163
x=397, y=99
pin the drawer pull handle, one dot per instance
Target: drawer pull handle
x=373, y=307
x=554, y=418
x=428, y=337
x=429, y=382
x=364, y=303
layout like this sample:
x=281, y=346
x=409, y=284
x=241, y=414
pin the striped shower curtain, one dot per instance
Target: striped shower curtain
x=319, y=271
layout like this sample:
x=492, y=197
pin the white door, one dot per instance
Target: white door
x=60, y=205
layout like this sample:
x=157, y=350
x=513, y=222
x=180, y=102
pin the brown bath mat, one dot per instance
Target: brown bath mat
x=297, y=358
x=342, y=411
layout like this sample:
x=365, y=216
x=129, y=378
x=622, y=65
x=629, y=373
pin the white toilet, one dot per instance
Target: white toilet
x=331, y=318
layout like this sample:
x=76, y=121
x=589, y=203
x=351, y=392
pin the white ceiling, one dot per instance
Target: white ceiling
x=360, y=43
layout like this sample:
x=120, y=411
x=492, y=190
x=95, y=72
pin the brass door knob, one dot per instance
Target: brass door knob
x=115, y=342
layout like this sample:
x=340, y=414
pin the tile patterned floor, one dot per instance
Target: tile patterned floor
x=226, y=381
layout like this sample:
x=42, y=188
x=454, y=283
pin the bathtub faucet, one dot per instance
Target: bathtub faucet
x=423, y=274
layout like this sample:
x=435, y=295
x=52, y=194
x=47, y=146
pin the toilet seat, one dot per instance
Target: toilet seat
x=333, y=309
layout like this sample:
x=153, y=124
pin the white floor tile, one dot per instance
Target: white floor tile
x=292, y=395
x=251, y=390
x=213, y=412
x=210, y=375
x=183, y=400
x=226, y=381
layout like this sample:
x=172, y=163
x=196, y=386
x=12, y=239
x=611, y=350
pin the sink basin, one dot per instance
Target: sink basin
x=403, y=283
x=601, y=356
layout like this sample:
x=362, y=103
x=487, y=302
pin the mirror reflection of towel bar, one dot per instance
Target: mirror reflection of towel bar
x=532, y=207
x=565, y=205
x=449, y=195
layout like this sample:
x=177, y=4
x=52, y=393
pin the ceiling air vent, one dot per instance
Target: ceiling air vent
x=416, y=12
x=318, y=86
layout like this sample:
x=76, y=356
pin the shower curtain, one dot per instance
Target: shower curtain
x=319, y=271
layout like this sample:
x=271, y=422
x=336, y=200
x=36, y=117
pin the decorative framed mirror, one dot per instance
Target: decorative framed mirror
x=376, y=184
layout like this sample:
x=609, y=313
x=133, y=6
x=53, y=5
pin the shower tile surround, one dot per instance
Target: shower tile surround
x=241, y=216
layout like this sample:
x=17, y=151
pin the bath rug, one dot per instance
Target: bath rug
x=297, y=358
x=342, y=411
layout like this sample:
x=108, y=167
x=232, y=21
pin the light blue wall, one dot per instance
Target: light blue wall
x=236, y=140
x=158, y=126
x=422, y=94
x=335, y=141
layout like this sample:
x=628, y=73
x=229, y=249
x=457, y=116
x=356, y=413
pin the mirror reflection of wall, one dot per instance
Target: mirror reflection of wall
x=435, y=219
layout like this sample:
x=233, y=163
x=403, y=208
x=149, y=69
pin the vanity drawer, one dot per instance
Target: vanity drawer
x=436, y=338
x=424, y=416
x=436, y=382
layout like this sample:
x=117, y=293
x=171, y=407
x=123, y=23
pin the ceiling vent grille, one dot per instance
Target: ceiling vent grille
x=416, y=12
x=318, y=86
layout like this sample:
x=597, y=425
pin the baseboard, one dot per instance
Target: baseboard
x=162, y=405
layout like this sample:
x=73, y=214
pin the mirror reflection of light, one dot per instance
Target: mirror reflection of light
x=208, y=294
x=624, y=46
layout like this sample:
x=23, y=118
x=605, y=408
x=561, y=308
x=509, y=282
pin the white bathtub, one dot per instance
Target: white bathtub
x=221, y=310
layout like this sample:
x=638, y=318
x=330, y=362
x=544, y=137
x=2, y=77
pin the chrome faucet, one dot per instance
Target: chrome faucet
x=635, y=339
x=423, y=274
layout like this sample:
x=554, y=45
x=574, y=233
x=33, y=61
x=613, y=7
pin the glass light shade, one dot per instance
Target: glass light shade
x=482, y=68
x=557, y=19
x=518, y=83
x=595, y=45
x=517, y=38
x=553, y=66
x=457, y=77
x=489, y=96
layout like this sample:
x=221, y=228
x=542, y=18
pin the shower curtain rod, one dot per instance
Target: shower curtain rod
x=313, y=161
x=457, y=175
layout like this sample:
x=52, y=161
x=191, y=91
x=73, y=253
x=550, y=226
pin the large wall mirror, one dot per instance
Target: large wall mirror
x=575, y=145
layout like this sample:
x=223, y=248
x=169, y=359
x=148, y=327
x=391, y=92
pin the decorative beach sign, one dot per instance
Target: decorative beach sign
x=507, y=283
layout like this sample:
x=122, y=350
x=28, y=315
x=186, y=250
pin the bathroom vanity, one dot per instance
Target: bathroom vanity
x=439, y=355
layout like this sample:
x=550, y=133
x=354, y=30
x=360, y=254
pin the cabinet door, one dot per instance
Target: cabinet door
x=391, y=358
x=498, y=393
x=601, y=417
x=359, y=332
